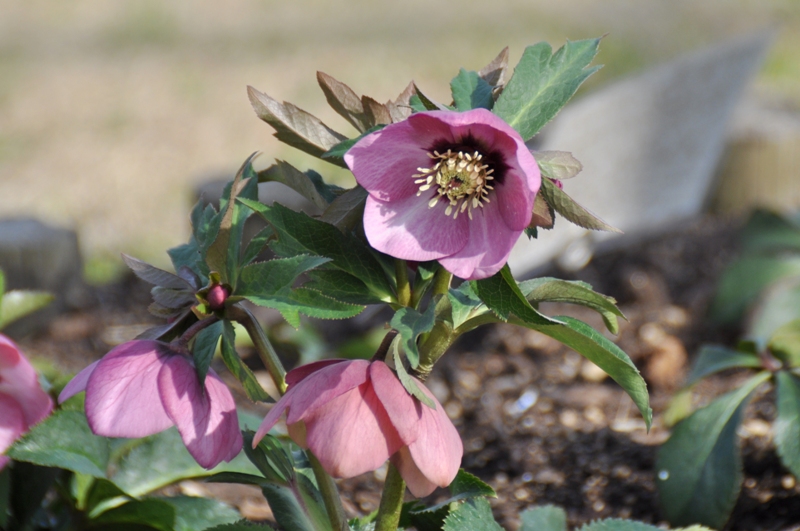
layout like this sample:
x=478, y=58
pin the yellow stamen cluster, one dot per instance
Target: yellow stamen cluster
x=462, y=180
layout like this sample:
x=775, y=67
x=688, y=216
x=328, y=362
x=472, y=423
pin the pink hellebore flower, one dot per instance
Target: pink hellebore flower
x=354, y=415
x=457, y=187
x=23, y=403
x=143, y=387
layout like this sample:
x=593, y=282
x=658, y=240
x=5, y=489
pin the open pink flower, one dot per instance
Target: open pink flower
x=457, y=187
x=144, y=387
x=354, y=415
x=23, y=403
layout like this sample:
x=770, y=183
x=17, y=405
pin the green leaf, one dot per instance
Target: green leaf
x=427, y=103
x=502, y=295
x=465, y=486
x=785, y=343
x=409, y=383
x=616, y=524
x=310, y=185
x=152, y=512
x=543, y=83
x=29, y=487
x=743, y=280
x=557, y=165
x=341, y=286
x=544, y=518
x=162, y=459
x=787, y=423
x=301, y=234
x=769, y=232
x=777, y=305
x=19, y=303
x=205, y=345
x=308, y=302
x=410, y=324
x=470, y=91
x=416, y=104
x=153, y=275
x=595, y=347
x=270, y=457
x=573, y=292
x=242, y=525
x=464, y=303
x=472, y=515
x=275, y=277
x=287, y=510
x=699, y=469
x=64, y=440
x=257, y=245
x=570, y=210
x=195, y=514
x=335, y=155
x=101, y=496
x=713, y=358
x=347, y=210
x=238, y=368
x=188, y=255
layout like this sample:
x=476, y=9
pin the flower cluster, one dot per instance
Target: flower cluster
x=354, y=415
x=23, y=403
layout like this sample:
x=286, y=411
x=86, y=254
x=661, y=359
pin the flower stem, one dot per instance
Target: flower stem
x=264, y=348
x=391, y=501
x=441, y=281
x=183, y=339
x=403, y=287
x=330, y=495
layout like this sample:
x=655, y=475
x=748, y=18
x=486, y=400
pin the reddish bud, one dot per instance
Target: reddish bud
x=216, y=297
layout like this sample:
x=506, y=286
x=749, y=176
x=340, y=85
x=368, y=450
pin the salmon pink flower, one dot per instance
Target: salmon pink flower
x=457, y=187
x=354, y=415
x=143, y=387
x=23, y=403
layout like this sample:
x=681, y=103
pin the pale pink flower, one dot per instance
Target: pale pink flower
x=457, y=187
x=23, y=403
x=354, y=415
x=143, y=387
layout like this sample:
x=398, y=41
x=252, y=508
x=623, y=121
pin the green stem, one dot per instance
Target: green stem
x=193, y=330
x=391, y=501
x=403, y=287
x=330, y=495
x=264, y=348
x=441, y=281
x=433, y=347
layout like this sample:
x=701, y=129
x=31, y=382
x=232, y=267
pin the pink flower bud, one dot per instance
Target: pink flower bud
x=216, y=297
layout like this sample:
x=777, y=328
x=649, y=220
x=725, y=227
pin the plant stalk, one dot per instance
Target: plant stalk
x=403, y=287
x=264, y=348
x=441, y=281
x=183, y=340
x=330, y=495
x=391, y=501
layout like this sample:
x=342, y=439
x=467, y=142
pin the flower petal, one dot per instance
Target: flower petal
x=19, y=380
x=299, y=373
x=207, y=421
x=490, y=243
x=403, y=410
x=12, y=424
x=78, y=383
x=417, y=483
x=122, y=398
x=385, y=162
x=411, y=230
x=352, y=433
x=325, y=385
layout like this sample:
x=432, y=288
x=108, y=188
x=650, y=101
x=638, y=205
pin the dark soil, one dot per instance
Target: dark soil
x=539, y=423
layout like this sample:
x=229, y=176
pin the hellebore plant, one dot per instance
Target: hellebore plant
x=449, y=187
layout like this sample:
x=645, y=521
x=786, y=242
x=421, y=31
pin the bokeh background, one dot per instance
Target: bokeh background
x=111, y=113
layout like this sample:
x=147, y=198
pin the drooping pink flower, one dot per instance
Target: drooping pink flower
x=23, y=402
x=457, y=187
x=143, y=387
x=354, y=415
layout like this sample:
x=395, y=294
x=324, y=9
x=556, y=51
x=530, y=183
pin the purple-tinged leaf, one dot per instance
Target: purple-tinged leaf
x=344, y=101
x=377, y=113
x=347, y=210
x=284, y=173
x=153, y=275
x=171, y=298
x=494, y=73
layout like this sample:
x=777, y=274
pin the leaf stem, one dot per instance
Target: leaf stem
x=330, y=495
x=264, y=348
x=182, y=341
x=441, y=281
x=391, y=501
x=403, y=287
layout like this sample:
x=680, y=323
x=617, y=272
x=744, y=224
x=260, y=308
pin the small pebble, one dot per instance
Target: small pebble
x=592, y=373
x=788, y=482
x=380, y=472
x=755, y=428
x=598, y=506
x=594, y=415
x=569, y=419
x=750, y=483
x=521, y=494
x=621, y=472
x=454, y=409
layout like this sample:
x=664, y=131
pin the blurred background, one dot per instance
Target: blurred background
x=112, y=113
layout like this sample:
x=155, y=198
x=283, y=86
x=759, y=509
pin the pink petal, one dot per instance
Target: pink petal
x=299, y=373
x=352, y=433
x=78, y=383
x=417, y=483
x=19, y=380
x=490, y=243
x=325, y=385
x=274, y=414
x=438, y=449
x=122, y=398
x=385, y=162
x=12, y=424
x=207, y=421
x=411, y=230
x=403, y=410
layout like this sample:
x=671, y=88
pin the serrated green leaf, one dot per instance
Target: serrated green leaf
x=336, y=154
x=309, y=184
x=502, y=295
x=64, y=440
x=464, y=302
x=714, y=358
x=472, y=515
x=341, y=286
x=554, y=290
x=238, y=368
x=465, y=486
x=699, y=468
x=287, y=510
x=196, y=514
x=19, y=303
x=785, y=343
x=616, y=524
x=347, y=210
x=544, y=518
x=301, y=234
x=570, y=210
x=557, y=165
x=308, y=302
x=595, y=347
x=543, y=83
x=270, y=457
x=409, y=383
x=188, y=255
x=154, y=513
x=275, y=277
x=410, y=324
x=242, y=525
x=787, y=423
x=471, y=91
x=205, y=345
